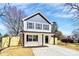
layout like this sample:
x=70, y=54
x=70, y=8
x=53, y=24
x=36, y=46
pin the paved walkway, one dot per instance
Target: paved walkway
x=54, y=50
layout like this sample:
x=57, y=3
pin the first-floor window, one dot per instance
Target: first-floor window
x=35, y=37
x=32, y=38
x=29, y=37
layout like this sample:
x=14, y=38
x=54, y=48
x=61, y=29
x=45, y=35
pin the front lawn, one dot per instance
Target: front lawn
x=74, y=46
x=17, y=51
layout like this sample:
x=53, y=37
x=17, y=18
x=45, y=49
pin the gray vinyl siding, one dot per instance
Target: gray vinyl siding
x=37, y=18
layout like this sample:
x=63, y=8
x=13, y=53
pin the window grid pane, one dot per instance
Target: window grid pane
x=30, y=25
x=35, y=37
x=31, y=38
x=46, y=27
x=38, y=26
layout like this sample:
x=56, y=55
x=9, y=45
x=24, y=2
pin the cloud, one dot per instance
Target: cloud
x=63, y=15
x=57, y=5
x=2, y=26
x=67, y=29
x=54, y=9
x=3, y=29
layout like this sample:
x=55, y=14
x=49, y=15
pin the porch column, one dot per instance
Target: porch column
x=54, y=39
x=23, y=40
x=42, y=40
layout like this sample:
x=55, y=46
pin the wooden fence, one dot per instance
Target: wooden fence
x=10, y=41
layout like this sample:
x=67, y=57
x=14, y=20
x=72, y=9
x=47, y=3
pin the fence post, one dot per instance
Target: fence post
x=9, y=41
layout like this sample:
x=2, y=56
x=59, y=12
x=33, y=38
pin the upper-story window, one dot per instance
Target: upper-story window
x=38, y=26
x=45, y=27
x=30, y=25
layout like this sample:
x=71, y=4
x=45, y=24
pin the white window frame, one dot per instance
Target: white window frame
x=32, y=37
x=45, y=25
x=39, y=27
x=35, y=38
x=29, y=26
x=29, y=36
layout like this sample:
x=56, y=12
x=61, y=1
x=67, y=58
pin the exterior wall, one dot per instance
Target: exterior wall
x=51, y=41
x=56, y=41
x=49, y=38
x=36, y=30
x=37, y=18
x=39, y=42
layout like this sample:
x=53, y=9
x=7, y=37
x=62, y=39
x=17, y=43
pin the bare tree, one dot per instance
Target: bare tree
x=75, y=35
x=55, y=30
x=54, y=27
x=75, y=7
x=59, y=35
x=12, y=17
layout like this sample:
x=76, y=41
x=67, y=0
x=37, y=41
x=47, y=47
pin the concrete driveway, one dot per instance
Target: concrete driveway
x=54, y=50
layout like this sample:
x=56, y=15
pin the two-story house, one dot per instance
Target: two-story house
x=37, y=30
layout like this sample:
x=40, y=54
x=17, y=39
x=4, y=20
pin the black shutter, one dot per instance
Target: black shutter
x=27, y=37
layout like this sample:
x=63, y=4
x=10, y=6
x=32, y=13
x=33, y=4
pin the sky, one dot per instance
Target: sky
x=53, y=11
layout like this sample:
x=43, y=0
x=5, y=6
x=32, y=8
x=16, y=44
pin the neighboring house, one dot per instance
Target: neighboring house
x=37, y=31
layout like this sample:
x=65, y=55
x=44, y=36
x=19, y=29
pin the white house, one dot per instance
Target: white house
x=37, y=31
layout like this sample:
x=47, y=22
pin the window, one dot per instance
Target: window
x=30, y=25
x=29, y=37
x=46, y=27
x=32, y=38
x=38, y=26
x=35, y=37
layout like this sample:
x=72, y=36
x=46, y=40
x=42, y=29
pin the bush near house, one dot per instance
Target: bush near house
x=67, y=40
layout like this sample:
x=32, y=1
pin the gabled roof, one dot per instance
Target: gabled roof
x=35, y=15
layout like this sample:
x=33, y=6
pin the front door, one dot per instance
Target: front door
x=46, y=39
